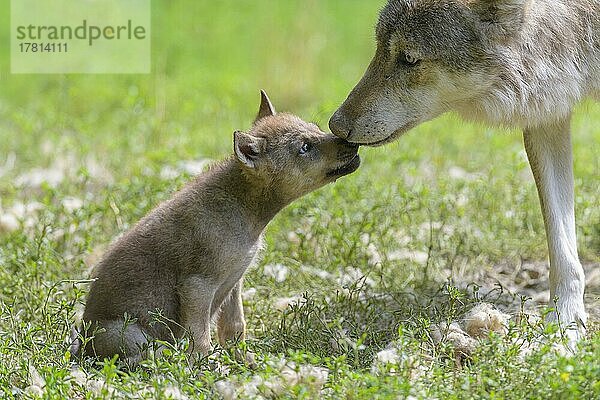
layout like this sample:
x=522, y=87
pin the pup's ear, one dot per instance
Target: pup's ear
x=248, y=148
x=501, y=18
x=266, y=107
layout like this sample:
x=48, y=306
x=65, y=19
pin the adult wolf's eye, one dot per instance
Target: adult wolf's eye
x=305, y=148
x=409, y=59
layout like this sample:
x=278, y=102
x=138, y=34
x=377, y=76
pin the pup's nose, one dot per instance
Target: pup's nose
x=339, y=124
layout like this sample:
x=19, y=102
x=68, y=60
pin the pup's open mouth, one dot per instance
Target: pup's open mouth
x=346, y=168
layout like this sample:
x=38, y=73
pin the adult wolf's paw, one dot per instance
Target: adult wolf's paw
x=571, y=318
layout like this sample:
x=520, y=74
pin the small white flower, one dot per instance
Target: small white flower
x=315, y=376
x=34, y=391
x=388, y=356
x=458, y=173
x=281, y=303
x=8, y=223
x=37, y=176
x=321, y=273
x=79, y=376
x=279, y=272
x=374, y=255
x=293, y=237
x=35, y=379
x=419, y=257
x=194, y=167
x=484, y=318
x=168, y=173
x=72, y=203
x=351, y=275
x=226, y=389
x=248, y=294
x=173, y=392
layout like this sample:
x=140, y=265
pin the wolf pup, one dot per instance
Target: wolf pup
x=519, y=63
x=183, y=264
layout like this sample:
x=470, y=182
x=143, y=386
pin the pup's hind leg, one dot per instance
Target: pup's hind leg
x=231, y=325
x=550, y=156
x=125, y=338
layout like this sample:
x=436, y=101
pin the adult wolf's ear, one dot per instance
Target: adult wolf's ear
x=266, y=107
x=500, y=18
x=248, y=148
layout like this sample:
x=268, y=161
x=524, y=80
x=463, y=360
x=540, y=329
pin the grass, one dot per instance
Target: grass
x=369, y=261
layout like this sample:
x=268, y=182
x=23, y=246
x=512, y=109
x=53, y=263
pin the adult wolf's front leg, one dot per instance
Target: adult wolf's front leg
x=550, y=156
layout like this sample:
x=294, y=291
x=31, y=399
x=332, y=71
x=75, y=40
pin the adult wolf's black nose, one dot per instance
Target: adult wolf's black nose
x=340, y=125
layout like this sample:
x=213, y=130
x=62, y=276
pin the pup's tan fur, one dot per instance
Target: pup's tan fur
x=183, y=263
x=522, y=63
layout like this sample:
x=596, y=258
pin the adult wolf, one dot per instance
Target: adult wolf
x=520, y=63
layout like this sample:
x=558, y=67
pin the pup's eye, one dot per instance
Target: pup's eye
x=409, y=59
x=305, y=148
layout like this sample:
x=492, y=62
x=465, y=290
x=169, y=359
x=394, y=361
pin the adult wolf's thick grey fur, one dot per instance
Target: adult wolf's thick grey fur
x=183, y=263
x=521, y=63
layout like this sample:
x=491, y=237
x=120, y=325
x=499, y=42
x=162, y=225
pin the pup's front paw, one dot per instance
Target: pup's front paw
x=246, y=357
x=231, y=332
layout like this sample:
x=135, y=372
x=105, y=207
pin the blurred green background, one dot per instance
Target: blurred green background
x=209, y=61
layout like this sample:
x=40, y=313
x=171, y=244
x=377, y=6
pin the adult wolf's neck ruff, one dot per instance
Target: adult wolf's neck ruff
x=552, y=64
